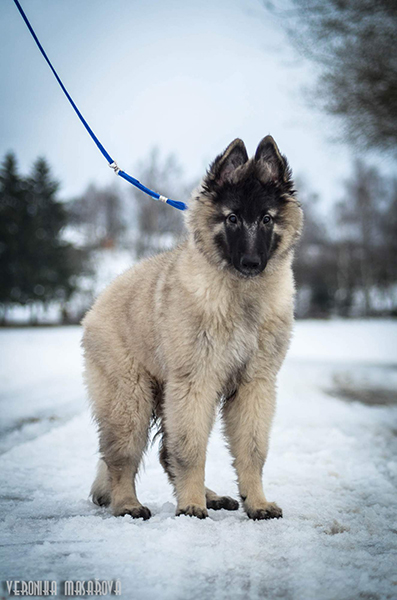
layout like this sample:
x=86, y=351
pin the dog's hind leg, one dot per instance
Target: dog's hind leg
x=247, y=417
x=212, y=499
x=123, y=405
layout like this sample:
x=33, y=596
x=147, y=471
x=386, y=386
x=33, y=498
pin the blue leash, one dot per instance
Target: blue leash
x=112, y=163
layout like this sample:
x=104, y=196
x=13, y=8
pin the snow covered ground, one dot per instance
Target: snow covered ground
x=332, y=468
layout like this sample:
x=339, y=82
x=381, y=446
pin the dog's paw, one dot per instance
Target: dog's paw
x=136, y=512
x=223, y=502
x=193, y=510
x=269, y=511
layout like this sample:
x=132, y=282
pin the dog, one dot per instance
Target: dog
x=202, y=326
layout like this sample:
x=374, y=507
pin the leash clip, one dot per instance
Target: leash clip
x=114, y=166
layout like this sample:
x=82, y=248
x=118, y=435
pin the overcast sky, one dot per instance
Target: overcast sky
x=186, y=76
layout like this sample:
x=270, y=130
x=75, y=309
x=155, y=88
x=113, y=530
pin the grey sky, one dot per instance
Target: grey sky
x=186, y=76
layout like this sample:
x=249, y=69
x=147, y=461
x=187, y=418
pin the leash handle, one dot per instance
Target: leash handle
x=111, y=162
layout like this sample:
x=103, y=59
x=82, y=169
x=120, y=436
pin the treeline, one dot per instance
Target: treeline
x=56, y=256
x=346, y=262
x=107, y=218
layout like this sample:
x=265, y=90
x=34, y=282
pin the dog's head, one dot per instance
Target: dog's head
x=245, y=213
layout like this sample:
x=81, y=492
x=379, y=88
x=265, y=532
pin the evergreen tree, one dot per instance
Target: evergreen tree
x=36, y=263
x=51, y=267
x=13, y=218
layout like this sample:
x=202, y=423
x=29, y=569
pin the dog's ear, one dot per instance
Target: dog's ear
x=274, y=165
x=226, y=163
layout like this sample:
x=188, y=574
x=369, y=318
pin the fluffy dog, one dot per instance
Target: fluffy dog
x=203, y=325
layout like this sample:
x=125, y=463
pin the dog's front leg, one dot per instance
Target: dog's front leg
x=248, y=417
x=189, y=412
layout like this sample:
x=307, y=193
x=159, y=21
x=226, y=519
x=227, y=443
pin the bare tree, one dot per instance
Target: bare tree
x=98, y=214
x=315, y=260
x=361, y=244
x=159, y=226
x=345, y=263
x=387, y=262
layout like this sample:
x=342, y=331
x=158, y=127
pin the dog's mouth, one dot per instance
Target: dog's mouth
x=250, y=272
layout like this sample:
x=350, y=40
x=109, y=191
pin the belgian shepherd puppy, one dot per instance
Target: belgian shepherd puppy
x=203, y=325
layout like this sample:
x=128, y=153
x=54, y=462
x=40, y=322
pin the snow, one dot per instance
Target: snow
x=331, y=467
x=372, y=341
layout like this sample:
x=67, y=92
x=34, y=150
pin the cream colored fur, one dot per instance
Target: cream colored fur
x=173, y=335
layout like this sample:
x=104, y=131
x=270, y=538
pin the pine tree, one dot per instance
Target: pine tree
x=13, y=218
x=36, y=263
x=49, y=268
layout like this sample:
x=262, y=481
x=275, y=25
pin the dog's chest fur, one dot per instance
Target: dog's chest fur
x=226, y=340
x=229, y=356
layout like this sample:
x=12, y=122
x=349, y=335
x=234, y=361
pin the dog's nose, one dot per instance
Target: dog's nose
x=250, y=262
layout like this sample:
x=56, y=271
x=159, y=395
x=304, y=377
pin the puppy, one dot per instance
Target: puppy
x=204, y=325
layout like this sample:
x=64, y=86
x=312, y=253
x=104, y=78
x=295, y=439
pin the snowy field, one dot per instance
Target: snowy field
x=332, y=468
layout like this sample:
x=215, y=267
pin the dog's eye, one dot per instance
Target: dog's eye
x=267, y=219
x=232, y=219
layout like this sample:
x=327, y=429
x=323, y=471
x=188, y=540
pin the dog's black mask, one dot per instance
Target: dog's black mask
x=248, y=210
x=248, y=196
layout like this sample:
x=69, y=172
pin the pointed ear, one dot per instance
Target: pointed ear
x=226, y=163
x=274, y=165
